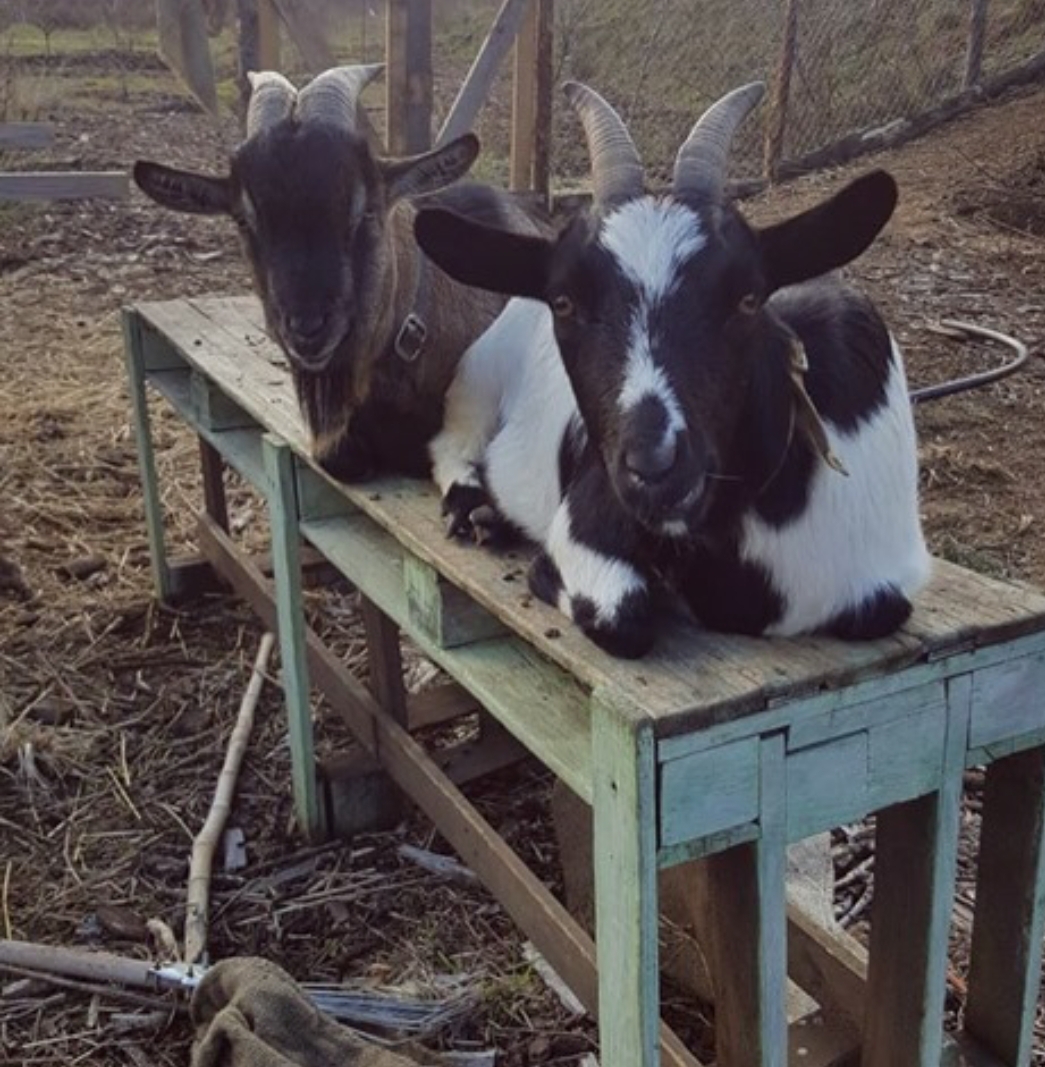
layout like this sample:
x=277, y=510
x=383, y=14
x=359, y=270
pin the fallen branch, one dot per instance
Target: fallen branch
x=196, y=905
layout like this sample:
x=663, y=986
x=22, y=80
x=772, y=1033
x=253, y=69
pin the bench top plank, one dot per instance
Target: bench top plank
x=692, y=677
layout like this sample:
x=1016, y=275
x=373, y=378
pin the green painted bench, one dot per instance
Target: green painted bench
x=714, y=746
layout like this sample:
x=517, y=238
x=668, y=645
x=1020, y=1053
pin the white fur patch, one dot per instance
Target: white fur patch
x=604, y=580
x=650, y=239
x=508, y=408
x=857, y=533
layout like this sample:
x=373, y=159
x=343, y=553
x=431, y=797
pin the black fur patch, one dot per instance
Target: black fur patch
x=848, y=348
x=544, y=579
x=724, y=592
x=571, y=449
x=881, y=614
x=630, y=634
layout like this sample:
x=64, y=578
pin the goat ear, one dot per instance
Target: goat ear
x=431, y=170
x=181, y=190
x=483, y=256
x=830, y=235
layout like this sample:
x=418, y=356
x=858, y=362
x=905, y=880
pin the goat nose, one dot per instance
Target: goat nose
x=650, y=463
x=307, y=327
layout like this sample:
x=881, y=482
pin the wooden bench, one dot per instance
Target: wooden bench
x=713, y=746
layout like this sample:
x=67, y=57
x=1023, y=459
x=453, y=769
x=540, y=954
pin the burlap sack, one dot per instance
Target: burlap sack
x=250, y=1013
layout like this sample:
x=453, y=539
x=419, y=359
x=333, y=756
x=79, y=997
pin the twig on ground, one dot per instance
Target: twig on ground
x=207, y=839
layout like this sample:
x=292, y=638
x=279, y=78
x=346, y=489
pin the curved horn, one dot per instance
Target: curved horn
x=271, y=100
x=700, y=166
x=333, y=96
x=616, y=169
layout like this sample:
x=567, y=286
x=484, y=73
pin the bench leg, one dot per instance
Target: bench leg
x=281, y=490
x=161, y=573
x=749, y=930
x=916, y=851
x=625, y=857
x=212, y=470
x=1005, y=963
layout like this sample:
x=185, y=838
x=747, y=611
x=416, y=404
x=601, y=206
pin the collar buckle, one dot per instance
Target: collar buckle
x=410, y=340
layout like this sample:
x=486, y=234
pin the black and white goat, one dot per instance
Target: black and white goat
x=372, y=331
x=672, y=394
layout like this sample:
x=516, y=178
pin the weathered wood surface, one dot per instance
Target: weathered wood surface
x=693, y=678
x=65, y=185
x=26, y=135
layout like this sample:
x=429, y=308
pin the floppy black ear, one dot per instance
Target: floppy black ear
x=830, y=235
x=483, y=256
x=181, y=190
x=429, y=171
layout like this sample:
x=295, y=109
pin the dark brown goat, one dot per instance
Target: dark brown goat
x=372, y=330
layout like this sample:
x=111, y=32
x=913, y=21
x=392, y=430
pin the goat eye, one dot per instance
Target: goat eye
x=562, y=306
x=748, y=304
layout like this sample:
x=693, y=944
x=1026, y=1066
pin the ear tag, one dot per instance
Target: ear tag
x=807, y=418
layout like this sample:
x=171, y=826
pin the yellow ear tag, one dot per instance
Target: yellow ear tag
x=807, y=418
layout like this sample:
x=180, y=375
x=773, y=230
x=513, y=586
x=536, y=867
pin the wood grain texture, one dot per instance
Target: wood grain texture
x=749, y=944
x=26, y=135
x=624, y=839
x=1005, y=961
x=693, y=679
x=65, y=185
x=915, y=858
x=136, y=375
x=286, y=568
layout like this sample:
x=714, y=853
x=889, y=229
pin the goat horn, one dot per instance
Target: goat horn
x=271, y=100
x=700, y=167
x=616, y=169
x=333, y=96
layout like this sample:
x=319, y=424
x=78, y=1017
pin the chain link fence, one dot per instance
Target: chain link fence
x=842, y=74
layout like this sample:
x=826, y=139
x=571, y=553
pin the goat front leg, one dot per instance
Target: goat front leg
x=470, y=420
x=588, y=571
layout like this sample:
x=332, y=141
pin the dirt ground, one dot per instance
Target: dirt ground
x=114, y=711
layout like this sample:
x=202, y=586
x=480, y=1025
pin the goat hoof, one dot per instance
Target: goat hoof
x=459, y=504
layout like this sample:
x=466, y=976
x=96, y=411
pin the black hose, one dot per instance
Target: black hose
x=954, y=328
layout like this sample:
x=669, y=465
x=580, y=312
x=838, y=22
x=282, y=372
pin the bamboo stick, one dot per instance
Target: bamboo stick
x=196, y=910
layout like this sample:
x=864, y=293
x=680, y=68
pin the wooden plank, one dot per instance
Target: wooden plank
x=708, y=792
x=286, y=565
x=385, y=660
x=974, y=50
x=544, y=90
x=26, y=135
x=692, y=680
x=214, y=410
x=1005, y=962
x=269, y=50
x=135, y=362
x=65, y=185
x=1007, y=700
x=184, y=46
x=830, y=968
x=822, y=1040
x=545, y=921
x=480, y=78
x=915, y=856
x=408, y=76
x=440, y=704
x=446, y=615
x=212, y=472
x=827, y=785
x=524, y=103
x=625, y=833
x=542, y=706
x=748, y=943
x=906, y=757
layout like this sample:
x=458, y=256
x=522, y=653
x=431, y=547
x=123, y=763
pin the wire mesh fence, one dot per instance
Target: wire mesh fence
x=837, y=71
